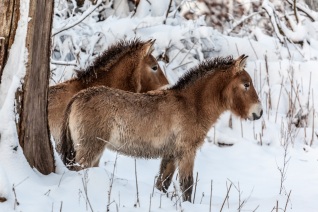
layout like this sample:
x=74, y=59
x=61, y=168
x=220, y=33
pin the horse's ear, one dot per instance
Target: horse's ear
x=148, y=47
x=240, y=63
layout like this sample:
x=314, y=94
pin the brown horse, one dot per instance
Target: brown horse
x=127, y=65
x=171, y=123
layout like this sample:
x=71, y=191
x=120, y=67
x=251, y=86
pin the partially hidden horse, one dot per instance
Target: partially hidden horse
x=170, y=123
x=126, y=65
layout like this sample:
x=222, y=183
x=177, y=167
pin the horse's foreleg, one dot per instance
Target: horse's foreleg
x=185, y=166
x=167, y=168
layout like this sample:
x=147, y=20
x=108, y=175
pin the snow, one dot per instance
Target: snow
x=257, y=151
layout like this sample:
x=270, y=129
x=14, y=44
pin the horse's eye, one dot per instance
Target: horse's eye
x=155, y=68
x=246, y=85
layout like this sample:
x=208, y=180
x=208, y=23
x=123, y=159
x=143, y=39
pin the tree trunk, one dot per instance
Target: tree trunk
x=34, y=132
x=9, y=16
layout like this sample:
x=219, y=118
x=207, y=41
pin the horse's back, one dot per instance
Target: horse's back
x=123, y=120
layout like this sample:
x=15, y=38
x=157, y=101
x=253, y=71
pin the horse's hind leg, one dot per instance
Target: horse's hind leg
x=88, y=157
x=167, y=168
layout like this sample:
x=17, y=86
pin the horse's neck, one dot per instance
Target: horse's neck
x=119, y=76
x=205, y=98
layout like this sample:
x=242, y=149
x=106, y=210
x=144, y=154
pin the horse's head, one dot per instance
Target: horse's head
x=152, y=76
x=240, y=93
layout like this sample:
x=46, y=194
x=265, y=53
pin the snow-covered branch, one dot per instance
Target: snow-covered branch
x=269, y=8
x=64, y=63
x=78, y=20
x=311, y=14
x=297, y=32
x=243, y=19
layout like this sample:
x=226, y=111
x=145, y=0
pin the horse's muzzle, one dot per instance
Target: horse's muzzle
x=255, y=116
x=255, y=112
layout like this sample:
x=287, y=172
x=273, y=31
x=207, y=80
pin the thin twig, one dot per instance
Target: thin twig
x=183, y=193
x=108, y=142
x=280, y=92
x=313, y=119
x=210, y=207
x=61, y=206
x=241, y=203
x=277, y=206
x=153, y=187
x=283, y=170
x=227, y=199
x=242, y=129
x=256, y=208
x=61, y=179
x=296, y=12
x=160, y=200
x=21, y=182
x=167, y=13
x=86, y=192
x=227, y=195
x=287, y=201
x=64, y=63
x=150, y=204
x=175, y=56
x=187, y=53
x=202, y=197
x=241, y=21
x=181, y=65
x=16, y=203
x=195, y=187
x=137, y=200
x=267, y=80
x=309, y=91
x=253, y=48
x=111, y=183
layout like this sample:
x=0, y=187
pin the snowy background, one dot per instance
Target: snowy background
x=267, y=165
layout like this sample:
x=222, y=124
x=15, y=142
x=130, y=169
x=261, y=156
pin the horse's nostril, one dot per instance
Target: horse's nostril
x=255, y=116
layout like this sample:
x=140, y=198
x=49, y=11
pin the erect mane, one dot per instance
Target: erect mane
x=108, y=58
x=203, y=69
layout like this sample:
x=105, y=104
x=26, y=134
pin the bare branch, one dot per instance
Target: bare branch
x=82, y=18
x=287, y=201
x=210, y=207
x=238, y=23
x=226, y=197
x=64, y=63
x=137, y=200
x=85, y=181
x=167, y=13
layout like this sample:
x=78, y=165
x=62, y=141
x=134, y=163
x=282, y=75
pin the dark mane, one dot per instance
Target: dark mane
x=108, y=58
x=206, y=67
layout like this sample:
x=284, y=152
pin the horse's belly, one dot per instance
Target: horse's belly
x=139, y=152
x=142, y=147
x=149, y=143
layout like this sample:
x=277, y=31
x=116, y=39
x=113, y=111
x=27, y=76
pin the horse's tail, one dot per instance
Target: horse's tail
x=66, y=147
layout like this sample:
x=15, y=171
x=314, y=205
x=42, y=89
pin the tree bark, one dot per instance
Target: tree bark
x=9, y=16
x=34, y=131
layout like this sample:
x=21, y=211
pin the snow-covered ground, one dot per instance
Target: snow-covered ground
x=272, y=162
